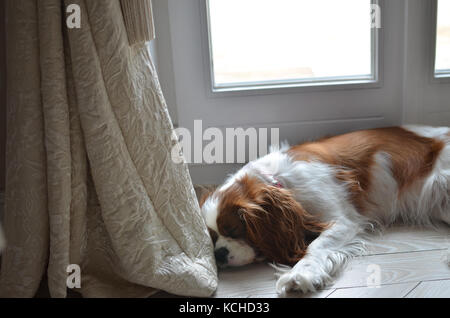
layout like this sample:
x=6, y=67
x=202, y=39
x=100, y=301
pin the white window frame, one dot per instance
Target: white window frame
x=293, y=85
x=438, y=76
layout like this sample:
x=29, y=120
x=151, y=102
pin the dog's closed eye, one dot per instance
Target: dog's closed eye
x=233, y=232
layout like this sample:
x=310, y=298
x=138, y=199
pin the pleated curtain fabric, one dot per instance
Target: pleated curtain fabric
x=90, y=180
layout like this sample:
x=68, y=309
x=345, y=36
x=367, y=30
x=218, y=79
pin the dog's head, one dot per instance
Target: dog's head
x=251, y=220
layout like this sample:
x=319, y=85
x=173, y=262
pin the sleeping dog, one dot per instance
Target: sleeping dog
x=312, y=206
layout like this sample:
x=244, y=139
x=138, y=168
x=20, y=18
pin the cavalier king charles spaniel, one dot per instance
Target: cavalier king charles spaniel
x=309, y=208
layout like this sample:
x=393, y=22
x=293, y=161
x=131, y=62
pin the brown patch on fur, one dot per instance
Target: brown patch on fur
x=205, y=193
x=268, y=218
x=412, y=157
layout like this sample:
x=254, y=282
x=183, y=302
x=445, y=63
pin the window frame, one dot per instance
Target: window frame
x=405, y=93
x=436, y=76
x=299, y=85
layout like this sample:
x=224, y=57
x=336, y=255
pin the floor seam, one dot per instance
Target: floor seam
x=418, y=283
x=403, y=252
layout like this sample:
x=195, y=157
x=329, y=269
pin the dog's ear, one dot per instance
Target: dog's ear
x=278, y=226
x=203, y=193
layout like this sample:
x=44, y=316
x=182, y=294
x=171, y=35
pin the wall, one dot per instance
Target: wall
x=2, y=97
x=162, y=53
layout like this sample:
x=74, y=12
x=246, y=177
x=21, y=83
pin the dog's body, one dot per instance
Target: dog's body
x=312, y=205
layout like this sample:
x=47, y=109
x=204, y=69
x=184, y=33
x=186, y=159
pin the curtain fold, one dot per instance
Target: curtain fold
x=90, y=179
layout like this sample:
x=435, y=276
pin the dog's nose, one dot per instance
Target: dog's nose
x=221, y=255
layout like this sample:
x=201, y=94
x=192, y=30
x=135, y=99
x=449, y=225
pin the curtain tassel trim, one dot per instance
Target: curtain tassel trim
x=138, y=18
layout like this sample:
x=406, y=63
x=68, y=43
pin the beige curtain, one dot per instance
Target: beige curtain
x=90, y=180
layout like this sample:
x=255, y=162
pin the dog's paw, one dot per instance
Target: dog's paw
x=303, y=281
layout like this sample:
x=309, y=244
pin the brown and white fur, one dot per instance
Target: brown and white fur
x=312, y=206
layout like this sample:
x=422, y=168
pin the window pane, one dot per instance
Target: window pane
x=288, y=40
x=443, y=36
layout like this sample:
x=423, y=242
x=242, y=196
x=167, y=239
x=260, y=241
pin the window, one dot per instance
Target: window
x=267, y=43
x=442, y=64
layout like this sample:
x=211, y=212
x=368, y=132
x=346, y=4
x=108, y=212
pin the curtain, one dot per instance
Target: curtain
x=90, y=180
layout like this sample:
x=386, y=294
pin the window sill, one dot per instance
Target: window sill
x=441, y=77
x=294, y=87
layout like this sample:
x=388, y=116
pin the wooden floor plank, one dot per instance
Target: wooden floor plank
x=431, y=289
x=396, y=268
x=384, y=291
x=406, y=239
x=255, y=281
x=249, y=280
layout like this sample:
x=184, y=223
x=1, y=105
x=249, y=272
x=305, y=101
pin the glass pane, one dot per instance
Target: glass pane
x=443, y=36
x=278, y=40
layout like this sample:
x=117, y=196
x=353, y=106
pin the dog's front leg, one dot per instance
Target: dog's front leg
x=324, y=258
